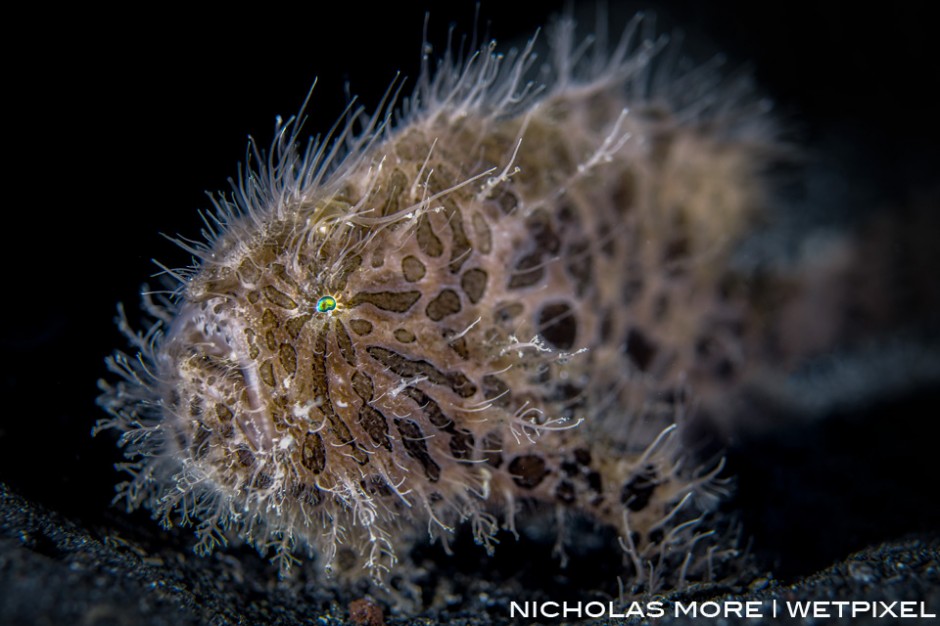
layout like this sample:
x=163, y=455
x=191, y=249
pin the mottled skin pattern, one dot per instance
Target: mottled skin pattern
x=523, y=303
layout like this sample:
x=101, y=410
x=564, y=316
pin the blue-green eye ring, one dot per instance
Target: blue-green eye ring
x=326, y=304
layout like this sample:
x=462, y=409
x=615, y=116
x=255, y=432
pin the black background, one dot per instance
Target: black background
x=116, y=123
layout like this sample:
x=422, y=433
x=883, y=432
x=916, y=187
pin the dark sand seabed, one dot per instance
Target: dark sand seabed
x=56, y=572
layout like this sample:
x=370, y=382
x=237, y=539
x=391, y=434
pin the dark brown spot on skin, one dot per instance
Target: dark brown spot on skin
x=607, y=326
x=339, y=428
x=460, y=347
x=350, y=265
x=460, y=246
x=363, y=386
x=253, y=297
x=262, y=481
x=570, y=396
x=527, y=272
x=253, y=349
x=507, y=202
x=639, y=489
x=244, y=457
x=662, y=143
x=565, y=492
x=309, y=494
x=200, y=439
x=343, y=435
x=704, y=346
x=447, y=302
x=676, y=249
x=640, y=349
x=321, y=389
x=288, y=357
x=493, y=449
x=376, y=486
x=558, y=326
x=427, y=240
x=506, y=313
x=432, y=409
x=633, y=287
x=270, y=340
x=608, y=244
x=278, y=298
x=661, y=305
x=266, y=371
x=345, y=343
x=376, y=425
x=656, y=535
x=280, y=271
x=624, y=194
x=223, y=413
x=496, y=390
x=409, y=368
x=461, y=445
x=404, y=335
x=482, y=234
x=568, y=215
x=441, y=178
x=713, y=354
x=394, y=301
x=412, y=269
x=580, y=264
x=248, y=272
x=473, y=282
x=220, y=280
x=313, y=453
x=280, y=423
x=295, y=325
x=672, y=397
x=542, y=233
x=528, y=470
x=635, y=537
x=724, y=369
x=582, y=456
x=594, y=481
x=397, y=184
x=461, y=384
x=360, y=327
x=413, y=440
x=378, y=257
x=268, y=319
